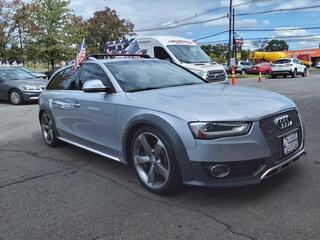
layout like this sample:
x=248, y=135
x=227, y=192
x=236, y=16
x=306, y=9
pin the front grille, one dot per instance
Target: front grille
x=216, y=76
x=274, y=135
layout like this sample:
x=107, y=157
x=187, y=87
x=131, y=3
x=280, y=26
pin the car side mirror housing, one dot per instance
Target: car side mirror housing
x=95, y=85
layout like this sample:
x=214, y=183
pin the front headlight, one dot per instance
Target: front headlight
x=31, y=88
x=198, y=72
x=212, y=130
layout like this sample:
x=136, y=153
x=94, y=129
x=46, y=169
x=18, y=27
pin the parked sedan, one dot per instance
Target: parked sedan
x=35, y=73
x=170, y=125
x=264, y=68
x=17, y=85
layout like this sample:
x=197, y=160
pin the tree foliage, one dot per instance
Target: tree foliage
x=106, y=26
x=276, y=45
x=49, y=31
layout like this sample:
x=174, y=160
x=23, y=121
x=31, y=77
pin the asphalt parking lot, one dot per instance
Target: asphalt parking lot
x=69, y=193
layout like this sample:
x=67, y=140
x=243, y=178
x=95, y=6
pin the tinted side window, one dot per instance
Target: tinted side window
x=161, y=53
x=55, y=83
x=67, y=82
x=92, y=71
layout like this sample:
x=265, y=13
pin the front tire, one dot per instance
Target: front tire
x=154, y=161
x=243, y=72
x=15, y=97
x=48, y=130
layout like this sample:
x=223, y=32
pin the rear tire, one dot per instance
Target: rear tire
x=15, y=97
x=243, y=72
x=154, y=161
x=305, y=73
x=294, y=74
x=48, y=130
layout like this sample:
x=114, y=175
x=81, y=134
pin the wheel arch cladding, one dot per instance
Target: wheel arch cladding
x=167, y=130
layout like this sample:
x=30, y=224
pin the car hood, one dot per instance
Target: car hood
x=212, y=102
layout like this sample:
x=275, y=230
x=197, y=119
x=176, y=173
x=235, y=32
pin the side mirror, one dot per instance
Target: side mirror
x=95, y=86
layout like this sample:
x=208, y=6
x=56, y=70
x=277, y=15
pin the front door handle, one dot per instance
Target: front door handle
x=76, y=105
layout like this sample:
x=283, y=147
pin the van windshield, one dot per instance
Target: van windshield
x=189, y=53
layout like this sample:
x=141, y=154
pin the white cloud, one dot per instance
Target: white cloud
x=285, y=32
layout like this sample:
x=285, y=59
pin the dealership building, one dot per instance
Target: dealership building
x=314, y=54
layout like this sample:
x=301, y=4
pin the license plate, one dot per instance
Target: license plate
x=290, y=143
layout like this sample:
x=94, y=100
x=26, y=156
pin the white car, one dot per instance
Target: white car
x=288, y=66
x=318, y=65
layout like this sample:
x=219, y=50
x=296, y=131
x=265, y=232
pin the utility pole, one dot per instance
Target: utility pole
x=234, y=52
x=230, y=22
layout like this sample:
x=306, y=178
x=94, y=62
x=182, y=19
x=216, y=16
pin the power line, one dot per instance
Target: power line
x=225, y=16
x=182, y=24
x=260, y=30
x=278, y=10
x=212, y=35
x=308, y=36
x=210, y=11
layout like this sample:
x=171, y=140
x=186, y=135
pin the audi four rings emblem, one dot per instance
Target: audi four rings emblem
x=283, y=121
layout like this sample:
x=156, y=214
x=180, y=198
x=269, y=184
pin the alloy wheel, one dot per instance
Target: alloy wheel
x=15, y=97
x=151, y=160
x=47, y=128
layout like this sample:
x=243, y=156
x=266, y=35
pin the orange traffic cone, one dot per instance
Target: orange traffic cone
x=259, y=78
x=233, y=77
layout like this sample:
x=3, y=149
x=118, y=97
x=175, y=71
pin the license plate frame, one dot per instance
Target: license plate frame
x=290, y=142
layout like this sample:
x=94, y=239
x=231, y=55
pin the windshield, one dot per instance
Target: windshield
x=15, y=74
x=281, y=61
x=189, y=53
x=150, y=74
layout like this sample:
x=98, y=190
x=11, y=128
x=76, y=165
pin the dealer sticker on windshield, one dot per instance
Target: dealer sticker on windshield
x=290, y=143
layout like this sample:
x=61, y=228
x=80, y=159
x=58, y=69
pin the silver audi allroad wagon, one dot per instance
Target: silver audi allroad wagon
x=169, y=124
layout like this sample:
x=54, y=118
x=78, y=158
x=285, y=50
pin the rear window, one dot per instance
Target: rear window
x=282, y=61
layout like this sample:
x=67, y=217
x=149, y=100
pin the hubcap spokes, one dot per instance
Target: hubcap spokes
x=151, y=160
x=15, y=97
x=47, y=128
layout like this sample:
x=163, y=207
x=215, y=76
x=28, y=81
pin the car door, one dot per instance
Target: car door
x=93, y=120
x=3, y=87
x=62, y=105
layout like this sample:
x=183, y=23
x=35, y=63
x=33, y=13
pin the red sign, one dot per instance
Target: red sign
x=311, y=52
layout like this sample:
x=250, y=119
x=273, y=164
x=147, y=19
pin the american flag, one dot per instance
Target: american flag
x=81, y=56
x=124, y=46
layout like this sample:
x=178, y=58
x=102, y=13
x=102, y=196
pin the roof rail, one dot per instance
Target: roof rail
x=106, y=56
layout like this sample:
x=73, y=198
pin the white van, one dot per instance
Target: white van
x=183, y=52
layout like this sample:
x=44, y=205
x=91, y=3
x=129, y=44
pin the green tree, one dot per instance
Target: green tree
x=276, y=45
x=106, y=26
x=51, y=38
x=218, y=53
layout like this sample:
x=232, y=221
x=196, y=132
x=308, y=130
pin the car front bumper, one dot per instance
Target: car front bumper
x=29, y=96
x=250, y=158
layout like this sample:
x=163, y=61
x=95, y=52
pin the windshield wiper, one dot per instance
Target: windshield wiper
x=144, y=89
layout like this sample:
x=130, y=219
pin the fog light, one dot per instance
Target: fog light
x=219, y=171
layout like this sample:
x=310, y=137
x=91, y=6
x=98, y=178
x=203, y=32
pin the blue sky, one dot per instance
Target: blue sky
x=159, y=13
